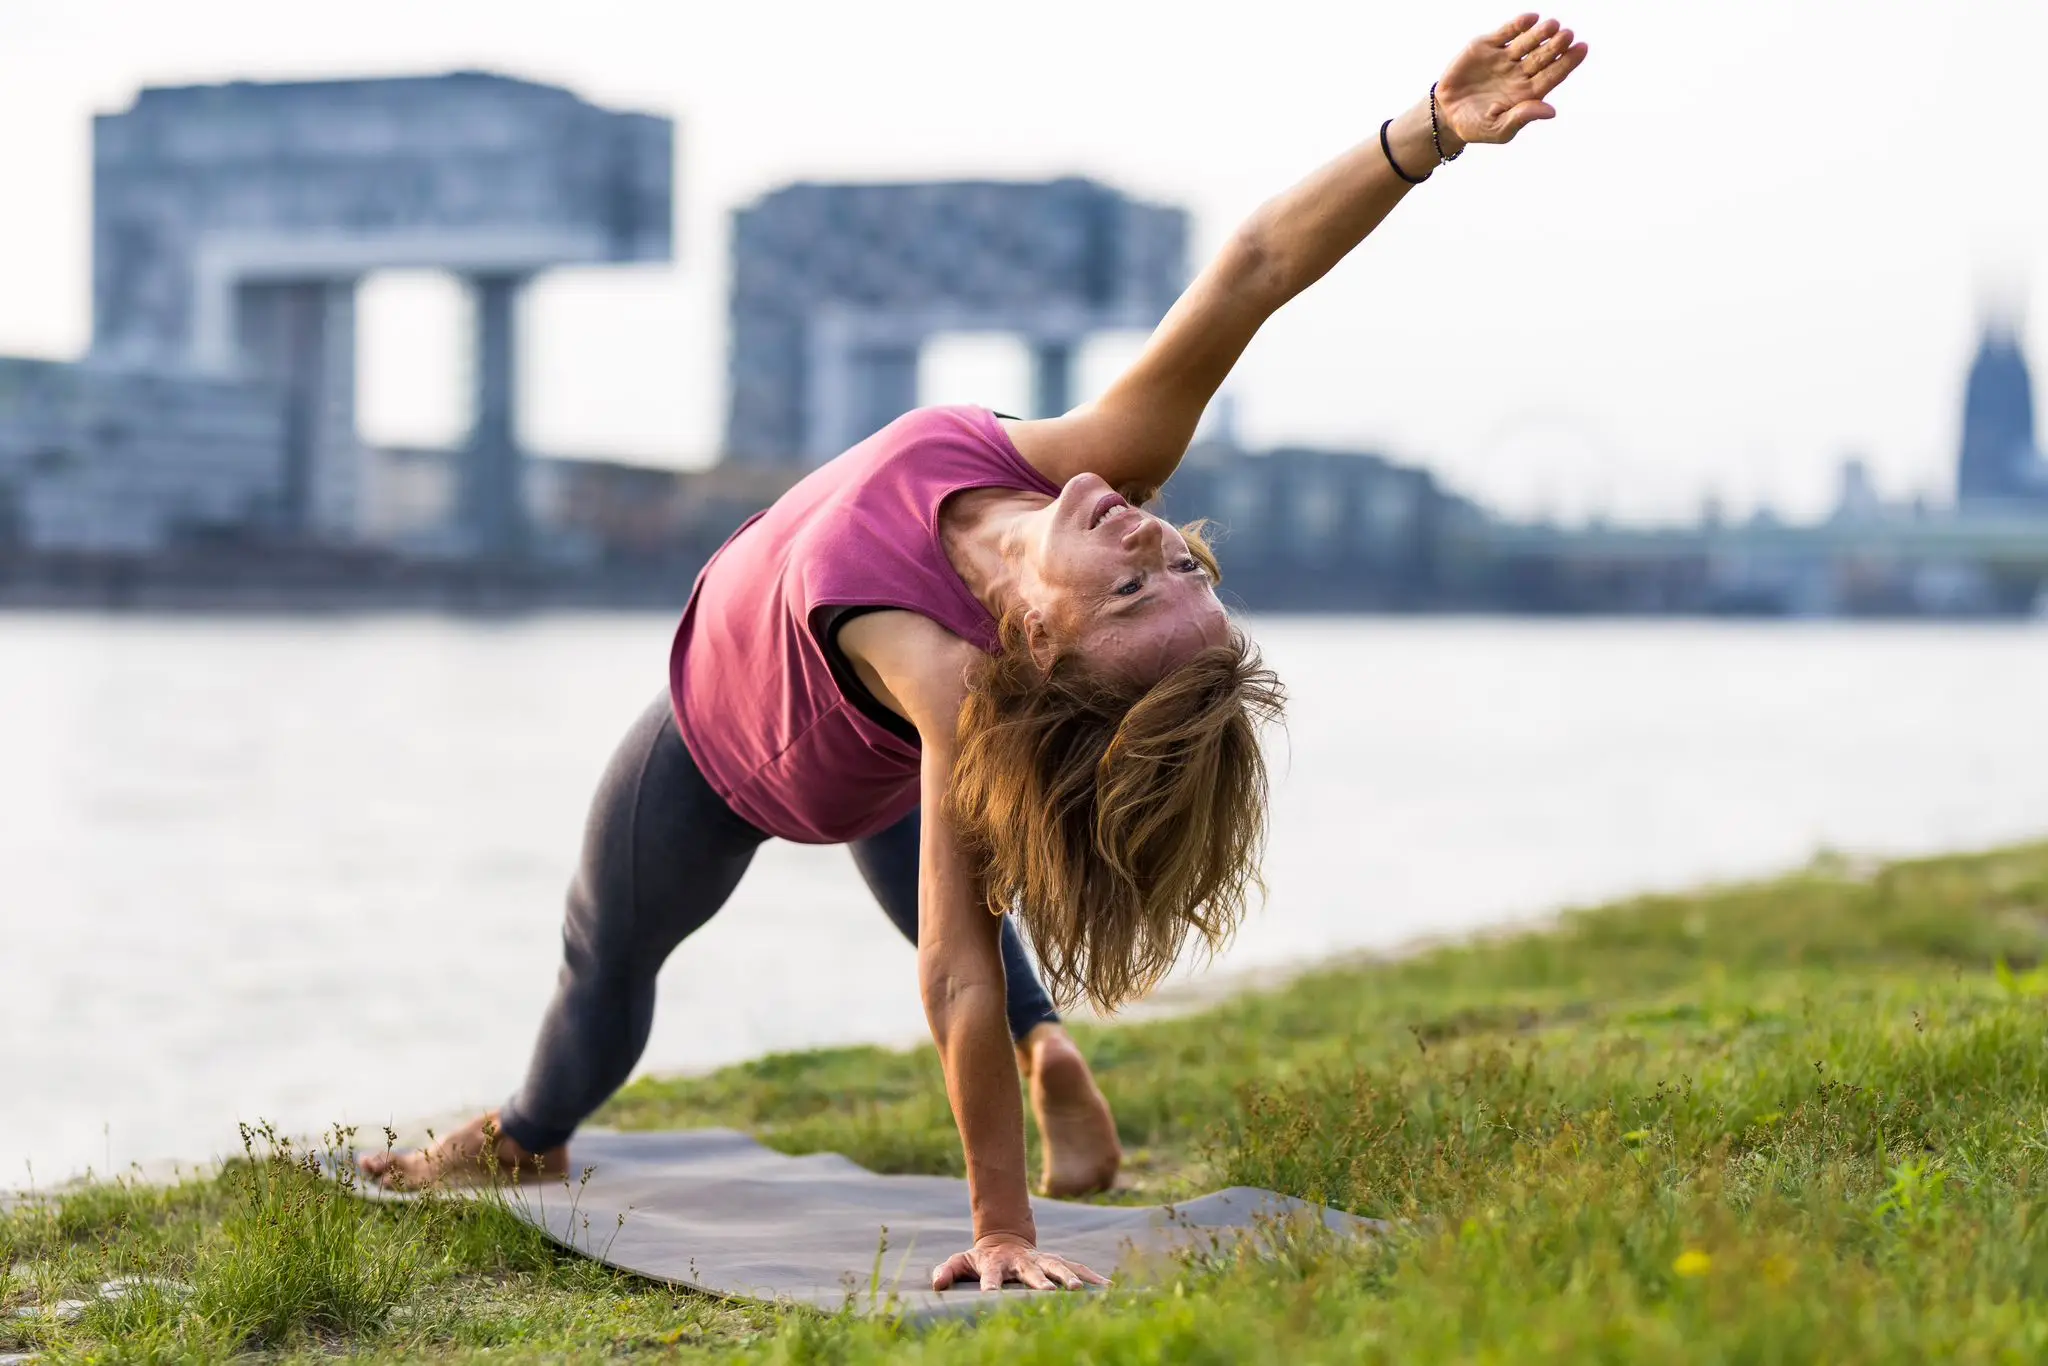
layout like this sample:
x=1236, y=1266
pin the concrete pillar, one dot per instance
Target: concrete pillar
x=1052, y=377
x=301, y=336
x=884, y=389
x=336, y=487
x=493, y=502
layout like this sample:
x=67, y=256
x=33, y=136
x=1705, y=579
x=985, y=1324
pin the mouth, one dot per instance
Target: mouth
x=1105, y=507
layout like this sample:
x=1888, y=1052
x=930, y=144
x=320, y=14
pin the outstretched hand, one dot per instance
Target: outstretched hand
x=995, y=1260
x=1500, y=83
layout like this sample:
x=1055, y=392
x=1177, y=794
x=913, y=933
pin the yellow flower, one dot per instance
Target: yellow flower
x=1692, y=1262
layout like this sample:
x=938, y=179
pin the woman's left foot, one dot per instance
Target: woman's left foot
x=474, y=1154
x=1079, y=1133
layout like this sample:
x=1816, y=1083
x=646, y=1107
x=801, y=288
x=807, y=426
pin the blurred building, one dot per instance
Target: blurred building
x=214, y=417
x=835, y=289
x=107, y=461
x=592, y=510
x=1856, y=494
x=1307, y=528
x=232, y=225
x=2000, y=466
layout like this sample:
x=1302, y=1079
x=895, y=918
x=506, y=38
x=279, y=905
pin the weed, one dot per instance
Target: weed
x=300, y=1254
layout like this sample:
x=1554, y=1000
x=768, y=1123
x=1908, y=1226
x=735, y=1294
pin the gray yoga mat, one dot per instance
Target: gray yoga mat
x=713, y=1210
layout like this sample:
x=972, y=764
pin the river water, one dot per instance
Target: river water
x=311, y=870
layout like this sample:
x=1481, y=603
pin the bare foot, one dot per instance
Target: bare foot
x=1079, y=1133
x=471, y=1155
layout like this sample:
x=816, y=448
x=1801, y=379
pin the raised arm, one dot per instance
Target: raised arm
x=1135, y=434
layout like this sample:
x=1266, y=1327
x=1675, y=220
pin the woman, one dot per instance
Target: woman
x=964, y=649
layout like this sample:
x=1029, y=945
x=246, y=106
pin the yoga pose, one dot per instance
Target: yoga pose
x=964, y=649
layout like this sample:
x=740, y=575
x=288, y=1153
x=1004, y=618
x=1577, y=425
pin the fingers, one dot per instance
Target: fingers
x=1524, y=114
x=957, y=1267
x=993, y=1268
x=1022, y=1265
x=1507, y=32
x=1540, y=57
x=1071, y=1275
x=1087, y=1277
x=1552, y=76
x=1527, y=41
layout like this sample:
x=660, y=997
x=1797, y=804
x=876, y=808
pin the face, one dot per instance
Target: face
x=1116, y=584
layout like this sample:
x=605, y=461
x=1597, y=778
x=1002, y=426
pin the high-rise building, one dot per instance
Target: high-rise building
x=2000, y=464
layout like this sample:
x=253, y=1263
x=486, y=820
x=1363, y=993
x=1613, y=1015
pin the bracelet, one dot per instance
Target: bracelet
x=1388, y=148
x=1434, y=135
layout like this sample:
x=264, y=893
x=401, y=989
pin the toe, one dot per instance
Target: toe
x=405, y=1172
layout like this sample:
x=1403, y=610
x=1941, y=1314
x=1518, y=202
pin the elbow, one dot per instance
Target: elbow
x=1252, y=266
x=952, y=997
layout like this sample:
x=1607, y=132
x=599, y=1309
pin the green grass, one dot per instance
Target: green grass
x=1800, y=1120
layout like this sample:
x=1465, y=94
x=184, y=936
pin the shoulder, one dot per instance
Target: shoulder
x=1032, y=448
x=1089, y=440
x=957, y=442
x=920, y=666
x=949, y=424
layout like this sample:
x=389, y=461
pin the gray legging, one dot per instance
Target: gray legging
x=661, y=853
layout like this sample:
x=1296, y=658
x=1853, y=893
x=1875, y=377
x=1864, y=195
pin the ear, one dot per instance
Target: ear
x=1038, y=640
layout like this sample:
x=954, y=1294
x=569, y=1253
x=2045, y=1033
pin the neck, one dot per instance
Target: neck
x=987, y=543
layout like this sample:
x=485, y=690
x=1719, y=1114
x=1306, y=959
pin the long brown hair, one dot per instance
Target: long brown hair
x=1116, y=818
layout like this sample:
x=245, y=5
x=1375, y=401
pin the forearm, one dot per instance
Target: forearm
x=1135, y=434
x=1294, y=239
x=973, y=1039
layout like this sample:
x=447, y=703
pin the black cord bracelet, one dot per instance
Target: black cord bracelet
x=1435, y=136
x=1388, y=148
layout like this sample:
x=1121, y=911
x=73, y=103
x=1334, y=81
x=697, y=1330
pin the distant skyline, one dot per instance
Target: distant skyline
x=1758, y=239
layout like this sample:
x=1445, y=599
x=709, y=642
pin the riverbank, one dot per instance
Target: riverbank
x=1794, y=1119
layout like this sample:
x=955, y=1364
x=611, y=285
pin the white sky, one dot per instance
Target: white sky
x=1757, y=237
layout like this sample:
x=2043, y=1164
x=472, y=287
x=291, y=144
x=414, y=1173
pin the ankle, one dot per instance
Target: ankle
x=510, y=1152
x=1051, y=1034
x=1041, y=1038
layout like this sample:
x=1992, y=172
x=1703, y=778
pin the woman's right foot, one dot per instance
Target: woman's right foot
x=1074, y=1121
x=472, y=1155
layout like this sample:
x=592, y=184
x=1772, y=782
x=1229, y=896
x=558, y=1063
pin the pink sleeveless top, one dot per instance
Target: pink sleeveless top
x=755, y=696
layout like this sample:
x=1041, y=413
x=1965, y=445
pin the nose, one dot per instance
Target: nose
x=1143, y=528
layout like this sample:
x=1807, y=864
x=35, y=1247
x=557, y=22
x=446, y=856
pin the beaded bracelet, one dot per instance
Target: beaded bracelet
x=1388, y=148
x=1434, y=135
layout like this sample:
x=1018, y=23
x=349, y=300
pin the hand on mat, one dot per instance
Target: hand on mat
x=1497, y=86
x=996, y=1260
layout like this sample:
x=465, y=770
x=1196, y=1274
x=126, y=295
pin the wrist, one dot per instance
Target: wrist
x=1027, y=1236
x=1413, y=147
x=1447, y=142
x=1001, y=1205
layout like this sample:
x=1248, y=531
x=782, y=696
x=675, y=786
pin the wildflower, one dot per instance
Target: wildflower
x=1692, y=1262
